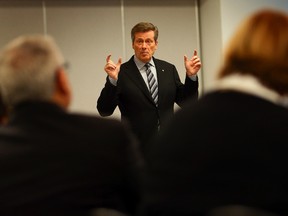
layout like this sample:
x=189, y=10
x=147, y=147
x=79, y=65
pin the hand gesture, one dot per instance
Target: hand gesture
x=111, y=68
x=192, y=65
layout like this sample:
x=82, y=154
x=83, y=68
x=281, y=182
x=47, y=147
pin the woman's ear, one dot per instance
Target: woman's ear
x=62, y=91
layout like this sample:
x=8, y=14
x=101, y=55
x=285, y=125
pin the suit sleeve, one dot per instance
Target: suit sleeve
x=187, y=91
x=107, y=101
x=191, y=89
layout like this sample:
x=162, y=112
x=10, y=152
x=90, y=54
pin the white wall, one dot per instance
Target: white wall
x=231, y=16
x=211, y=39
x=218, y=21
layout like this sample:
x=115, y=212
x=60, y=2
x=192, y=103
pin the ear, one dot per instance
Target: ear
x=133, y=45
x=156, y=44
x=62, y=91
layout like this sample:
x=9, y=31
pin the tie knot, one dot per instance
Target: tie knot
x=147, y=66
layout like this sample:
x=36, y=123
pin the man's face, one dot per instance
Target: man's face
x=144, y=45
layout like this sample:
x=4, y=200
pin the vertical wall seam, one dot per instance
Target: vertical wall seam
x=198, y=38
x=44, y=18
x=123, y=30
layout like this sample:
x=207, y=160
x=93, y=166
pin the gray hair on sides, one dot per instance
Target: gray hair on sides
x=27, y=68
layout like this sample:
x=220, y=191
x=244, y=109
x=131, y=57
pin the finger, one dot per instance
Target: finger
x=195, y=53
x=108, y=58
x=119, y=61
x=195, y=59
x=110, y=67
x=185, y=58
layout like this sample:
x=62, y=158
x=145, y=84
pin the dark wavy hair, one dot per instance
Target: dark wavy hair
x=144, y=27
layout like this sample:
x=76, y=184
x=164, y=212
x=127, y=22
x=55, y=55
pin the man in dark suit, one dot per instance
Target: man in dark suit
x=127, y=85
x=54, y=162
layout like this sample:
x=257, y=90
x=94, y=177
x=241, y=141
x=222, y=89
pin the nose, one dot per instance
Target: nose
x=144, y=45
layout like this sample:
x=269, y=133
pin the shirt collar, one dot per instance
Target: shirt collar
x=141, y=64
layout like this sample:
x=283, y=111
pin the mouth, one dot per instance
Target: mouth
x=144, y=53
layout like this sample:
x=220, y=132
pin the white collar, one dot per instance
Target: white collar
x=248, y=84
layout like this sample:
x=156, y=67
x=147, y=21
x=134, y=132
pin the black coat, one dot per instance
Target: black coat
x=229, y=148
x=55, y=163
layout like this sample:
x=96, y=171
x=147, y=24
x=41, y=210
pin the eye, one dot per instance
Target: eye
x=149, y=42
x=139, y=42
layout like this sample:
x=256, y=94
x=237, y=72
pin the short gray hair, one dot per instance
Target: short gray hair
x=27, y=68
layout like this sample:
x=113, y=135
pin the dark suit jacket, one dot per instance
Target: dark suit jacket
x=135, y=102
x=229, y=148
x=55, y=163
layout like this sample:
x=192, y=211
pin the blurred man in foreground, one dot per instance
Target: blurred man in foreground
x=54, y=162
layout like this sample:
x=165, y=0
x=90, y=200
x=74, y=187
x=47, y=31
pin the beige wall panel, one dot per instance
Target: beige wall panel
x=17, y=18
x=87, y=32
x=176, y=21
x=211, y=40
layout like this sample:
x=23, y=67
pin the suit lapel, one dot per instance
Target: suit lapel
x=133, y=73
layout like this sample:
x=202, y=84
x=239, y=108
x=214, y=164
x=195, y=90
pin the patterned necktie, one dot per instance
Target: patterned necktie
x=153, y=86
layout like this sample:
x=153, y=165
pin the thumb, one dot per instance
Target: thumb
x=119, y=61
